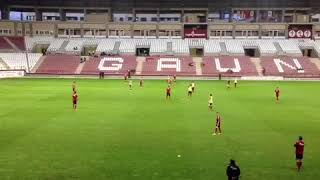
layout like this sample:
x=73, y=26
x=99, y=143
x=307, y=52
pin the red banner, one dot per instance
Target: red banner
x=195, y=31
x=300, y=31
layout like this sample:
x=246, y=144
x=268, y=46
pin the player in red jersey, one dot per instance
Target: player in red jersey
x=168, y=92
x=141, y=82
x=299, y=145
x=218, y=125
x=277, y=91
x=74, y=86
x=75, y=100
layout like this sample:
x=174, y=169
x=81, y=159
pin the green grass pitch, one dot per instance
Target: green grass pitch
x=118, y=134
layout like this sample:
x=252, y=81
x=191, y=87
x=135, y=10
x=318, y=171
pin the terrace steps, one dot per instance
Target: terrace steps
x=4, y=64
x=257, y=63
x=223, y=48
x=37, y=65
x=12, y=44
x=64, y=45
x=140, y=61
x=198, y=63
x=315, y=61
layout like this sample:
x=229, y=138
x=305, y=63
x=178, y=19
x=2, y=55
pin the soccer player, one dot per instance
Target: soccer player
x=193, y=86
x=210, y=101
x=141, y=82
x=169, y=80
x=299, y=145
x=75, y=100
x=190, y=90
x=277, y=91
x=174, y=78
x=130, y=84
x=235, y=82
x=168, y=92
x=74, y=86
x=218, y=125
x=233, y=171
x=228, y=84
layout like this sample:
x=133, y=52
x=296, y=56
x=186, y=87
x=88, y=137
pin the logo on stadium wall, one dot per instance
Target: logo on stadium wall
x=110, y=64
x=300, y=31
x=195, y=31
x=307, y=33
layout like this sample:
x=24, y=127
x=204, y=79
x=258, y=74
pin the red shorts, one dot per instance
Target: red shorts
x=75, y=102
x=168, y=94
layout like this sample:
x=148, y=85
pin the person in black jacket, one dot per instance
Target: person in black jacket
x=233, y=171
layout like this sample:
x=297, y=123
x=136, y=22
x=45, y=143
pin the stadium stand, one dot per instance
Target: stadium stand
x=59, y=64
x=168, y=65
x=267, y=48
x=234, y=47
x=75, y=45
x=158, y=46
x=226, y=49
x=212, y=47
x=91, y=41
x=228, y=66
x=289, y=47
x=18, y=42
x=180, y=46
x=55, y=45
x=4, y=44
x=127, y=46
x=31, y=42
x=19, y=60
x=106, y=45
x=110, y=65
x=289, y=66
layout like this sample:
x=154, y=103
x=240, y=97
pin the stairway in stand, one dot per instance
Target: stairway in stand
x=315, y=61
x=12, y=44
x=257, y=63
x=4, y=64
x=198, y=64
x=79, y=68
x=36, y=66
x=140, y=61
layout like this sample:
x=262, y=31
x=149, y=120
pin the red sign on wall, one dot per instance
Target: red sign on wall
x=300, y=31
x=195, y=31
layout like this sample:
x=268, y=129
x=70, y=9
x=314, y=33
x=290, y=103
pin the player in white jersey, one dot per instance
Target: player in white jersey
x=210, y=102
x=130, y=84
x=190, y=90
x=193, y=86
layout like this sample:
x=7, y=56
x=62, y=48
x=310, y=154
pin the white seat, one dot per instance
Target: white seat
x=19, y=60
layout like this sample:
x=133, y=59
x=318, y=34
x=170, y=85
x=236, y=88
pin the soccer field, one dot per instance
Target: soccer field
x=137, y=135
